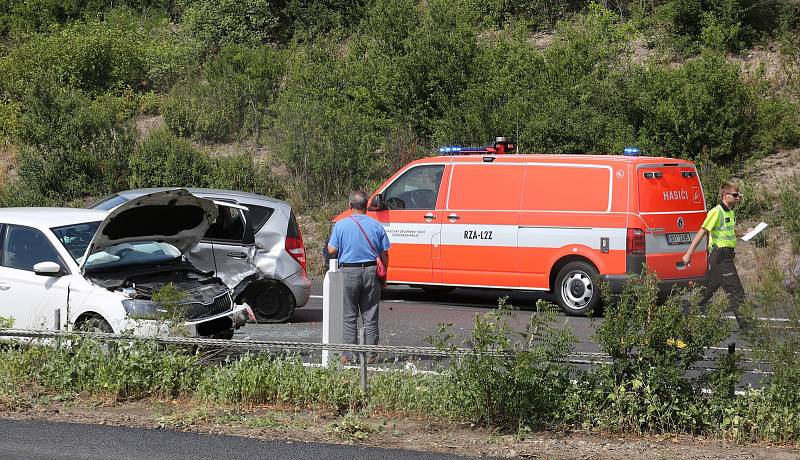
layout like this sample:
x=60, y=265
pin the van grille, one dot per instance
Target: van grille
x=197, y=310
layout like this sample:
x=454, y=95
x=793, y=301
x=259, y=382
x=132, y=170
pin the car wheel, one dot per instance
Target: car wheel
x=224, y=335
x=577, y=289
x=272, y=303
x=98, y=324
x=95, y=324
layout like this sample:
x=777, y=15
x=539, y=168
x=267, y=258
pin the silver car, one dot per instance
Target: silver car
x=255, y=246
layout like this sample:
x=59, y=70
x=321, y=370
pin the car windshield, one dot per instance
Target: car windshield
x=135, y=253
x=76, y=238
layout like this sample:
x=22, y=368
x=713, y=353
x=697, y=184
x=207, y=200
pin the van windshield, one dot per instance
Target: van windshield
x=669, y=188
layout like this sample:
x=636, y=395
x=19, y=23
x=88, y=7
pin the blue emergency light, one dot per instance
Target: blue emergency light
x=500, y=146
x=631, y=151
x=449, y=149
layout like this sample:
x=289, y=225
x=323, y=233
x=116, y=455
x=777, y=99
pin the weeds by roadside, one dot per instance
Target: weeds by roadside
x=513, y=381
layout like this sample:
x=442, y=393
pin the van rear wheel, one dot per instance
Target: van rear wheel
x=577, y=289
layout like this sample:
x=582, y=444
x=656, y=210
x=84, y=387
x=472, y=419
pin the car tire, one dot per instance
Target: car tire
x=95, y=324
x=577, y=289
x=272, y=303
x=224, y=335
x=98, y=324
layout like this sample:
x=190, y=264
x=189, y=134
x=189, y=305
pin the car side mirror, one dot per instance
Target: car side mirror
x=378, y=203
x=47, y=269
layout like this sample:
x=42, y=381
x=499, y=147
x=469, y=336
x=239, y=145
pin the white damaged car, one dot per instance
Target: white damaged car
x=97, y=270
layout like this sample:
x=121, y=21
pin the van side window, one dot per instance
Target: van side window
x=24, y=247
x=417, y=188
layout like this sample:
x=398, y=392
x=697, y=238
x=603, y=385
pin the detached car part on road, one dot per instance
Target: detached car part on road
x=255, y=246
x=100, y=270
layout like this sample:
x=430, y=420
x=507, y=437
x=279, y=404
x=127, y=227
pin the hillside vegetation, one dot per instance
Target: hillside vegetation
x=322, y=96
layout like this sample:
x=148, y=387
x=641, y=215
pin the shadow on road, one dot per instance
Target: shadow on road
x=486, y=298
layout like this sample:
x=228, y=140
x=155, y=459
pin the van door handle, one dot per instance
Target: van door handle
x=452, y=217
x=4, y=286
x=237, y=255
x=429, y=216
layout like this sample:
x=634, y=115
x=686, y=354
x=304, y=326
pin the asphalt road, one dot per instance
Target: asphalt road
x=410, y=316
x=38, y=439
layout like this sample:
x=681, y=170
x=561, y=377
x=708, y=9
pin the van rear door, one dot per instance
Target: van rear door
x=672, y=208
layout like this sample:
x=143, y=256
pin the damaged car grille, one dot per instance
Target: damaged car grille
x=199, y=310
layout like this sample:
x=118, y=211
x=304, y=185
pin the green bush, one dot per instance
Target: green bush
x=232, y=172
x=567, y=99
x=721, y=24
x=239, y=85
x=218, y=23
x=163, y=160
x=94, y=57
x=523, y=388
x=307, y=19
x=208, y=111
x=10, y=114
x=771, y=413
x=789, y=210
x=263, y=379
x=122, y=49
x=20, y=19
x=652, y=346
x=76, y=147
x=702, y=109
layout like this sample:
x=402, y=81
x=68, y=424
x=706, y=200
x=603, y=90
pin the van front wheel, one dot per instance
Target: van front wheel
x=577, y=289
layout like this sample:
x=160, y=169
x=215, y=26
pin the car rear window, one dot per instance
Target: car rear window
x=109, y=203
x=669, y=188
x=293, y=230
x=258, y=215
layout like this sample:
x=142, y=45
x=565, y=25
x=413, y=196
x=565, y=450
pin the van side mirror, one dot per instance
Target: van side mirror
x=378, y=203
x=47, y=269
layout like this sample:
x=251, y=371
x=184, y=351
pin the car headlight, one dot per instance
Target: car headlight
x=144, y=309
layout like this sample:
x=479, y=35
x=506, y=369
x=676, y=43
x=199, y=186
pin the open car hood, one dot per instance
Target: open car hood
x=173, y=216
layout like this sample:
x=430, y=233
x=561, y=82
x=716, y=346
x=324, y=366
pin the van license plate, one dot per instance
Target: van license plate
x=678, y=238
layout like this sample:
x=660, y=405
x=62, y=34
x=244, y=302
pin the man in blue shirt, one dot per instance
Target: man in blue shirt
x=358, y=241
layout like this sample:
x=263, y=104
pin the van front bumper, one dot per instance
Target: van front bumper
x=617, y=283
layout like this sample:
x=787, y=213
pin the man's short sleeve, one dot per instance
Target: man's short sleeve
x=334, y=239
x=385, y=243
x=712, y=219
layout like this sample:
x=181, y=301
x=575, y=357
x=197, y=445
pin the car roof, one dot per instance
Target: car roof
x=548, y=158
x=233, y=194
x=50, y=217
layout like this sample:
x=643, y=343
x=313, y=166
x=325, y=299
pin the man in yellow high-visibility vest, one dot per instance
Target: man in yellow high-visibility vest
x=719, y=226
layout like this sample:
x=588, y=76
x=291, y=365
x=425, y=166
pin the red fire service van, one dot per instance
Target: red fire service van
x=480, y=217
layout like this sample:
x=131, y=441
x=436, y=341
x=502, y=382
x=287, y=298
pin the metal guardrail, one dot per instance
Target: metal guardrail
x=577, y=357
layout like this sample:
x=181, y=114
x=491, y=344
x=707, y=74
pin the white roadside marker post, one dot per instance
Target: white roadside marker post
x=332, y=308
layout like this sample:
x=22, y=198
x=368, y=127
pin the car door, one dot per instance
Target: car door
x=413, y=224
x=228, y=246
x=480, y=224
x=30, y=300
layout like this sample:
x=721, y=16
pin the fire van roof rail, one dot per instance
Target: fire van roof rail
x=501, y=146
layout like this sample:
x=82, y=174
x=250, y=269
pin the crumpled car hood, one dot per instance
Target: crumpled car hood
x=173, y=216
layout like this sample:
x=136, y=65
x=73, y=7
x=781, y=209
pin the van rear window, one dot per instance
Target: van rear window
x=669, y=188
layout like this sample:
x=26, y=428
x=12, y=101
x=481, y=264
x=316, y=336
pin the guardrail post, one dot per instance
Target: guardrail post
x=57, y=325
x=731, y=357
x=362, y=356
x=332, y=308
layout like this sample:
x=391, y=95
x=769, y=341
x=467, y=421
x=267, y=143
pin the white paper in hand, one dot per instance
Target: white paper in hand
x=754, y=231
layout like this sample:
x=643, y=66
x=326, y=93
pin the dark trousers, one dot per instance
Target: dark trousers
x=722, y=274
x=362, y=293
